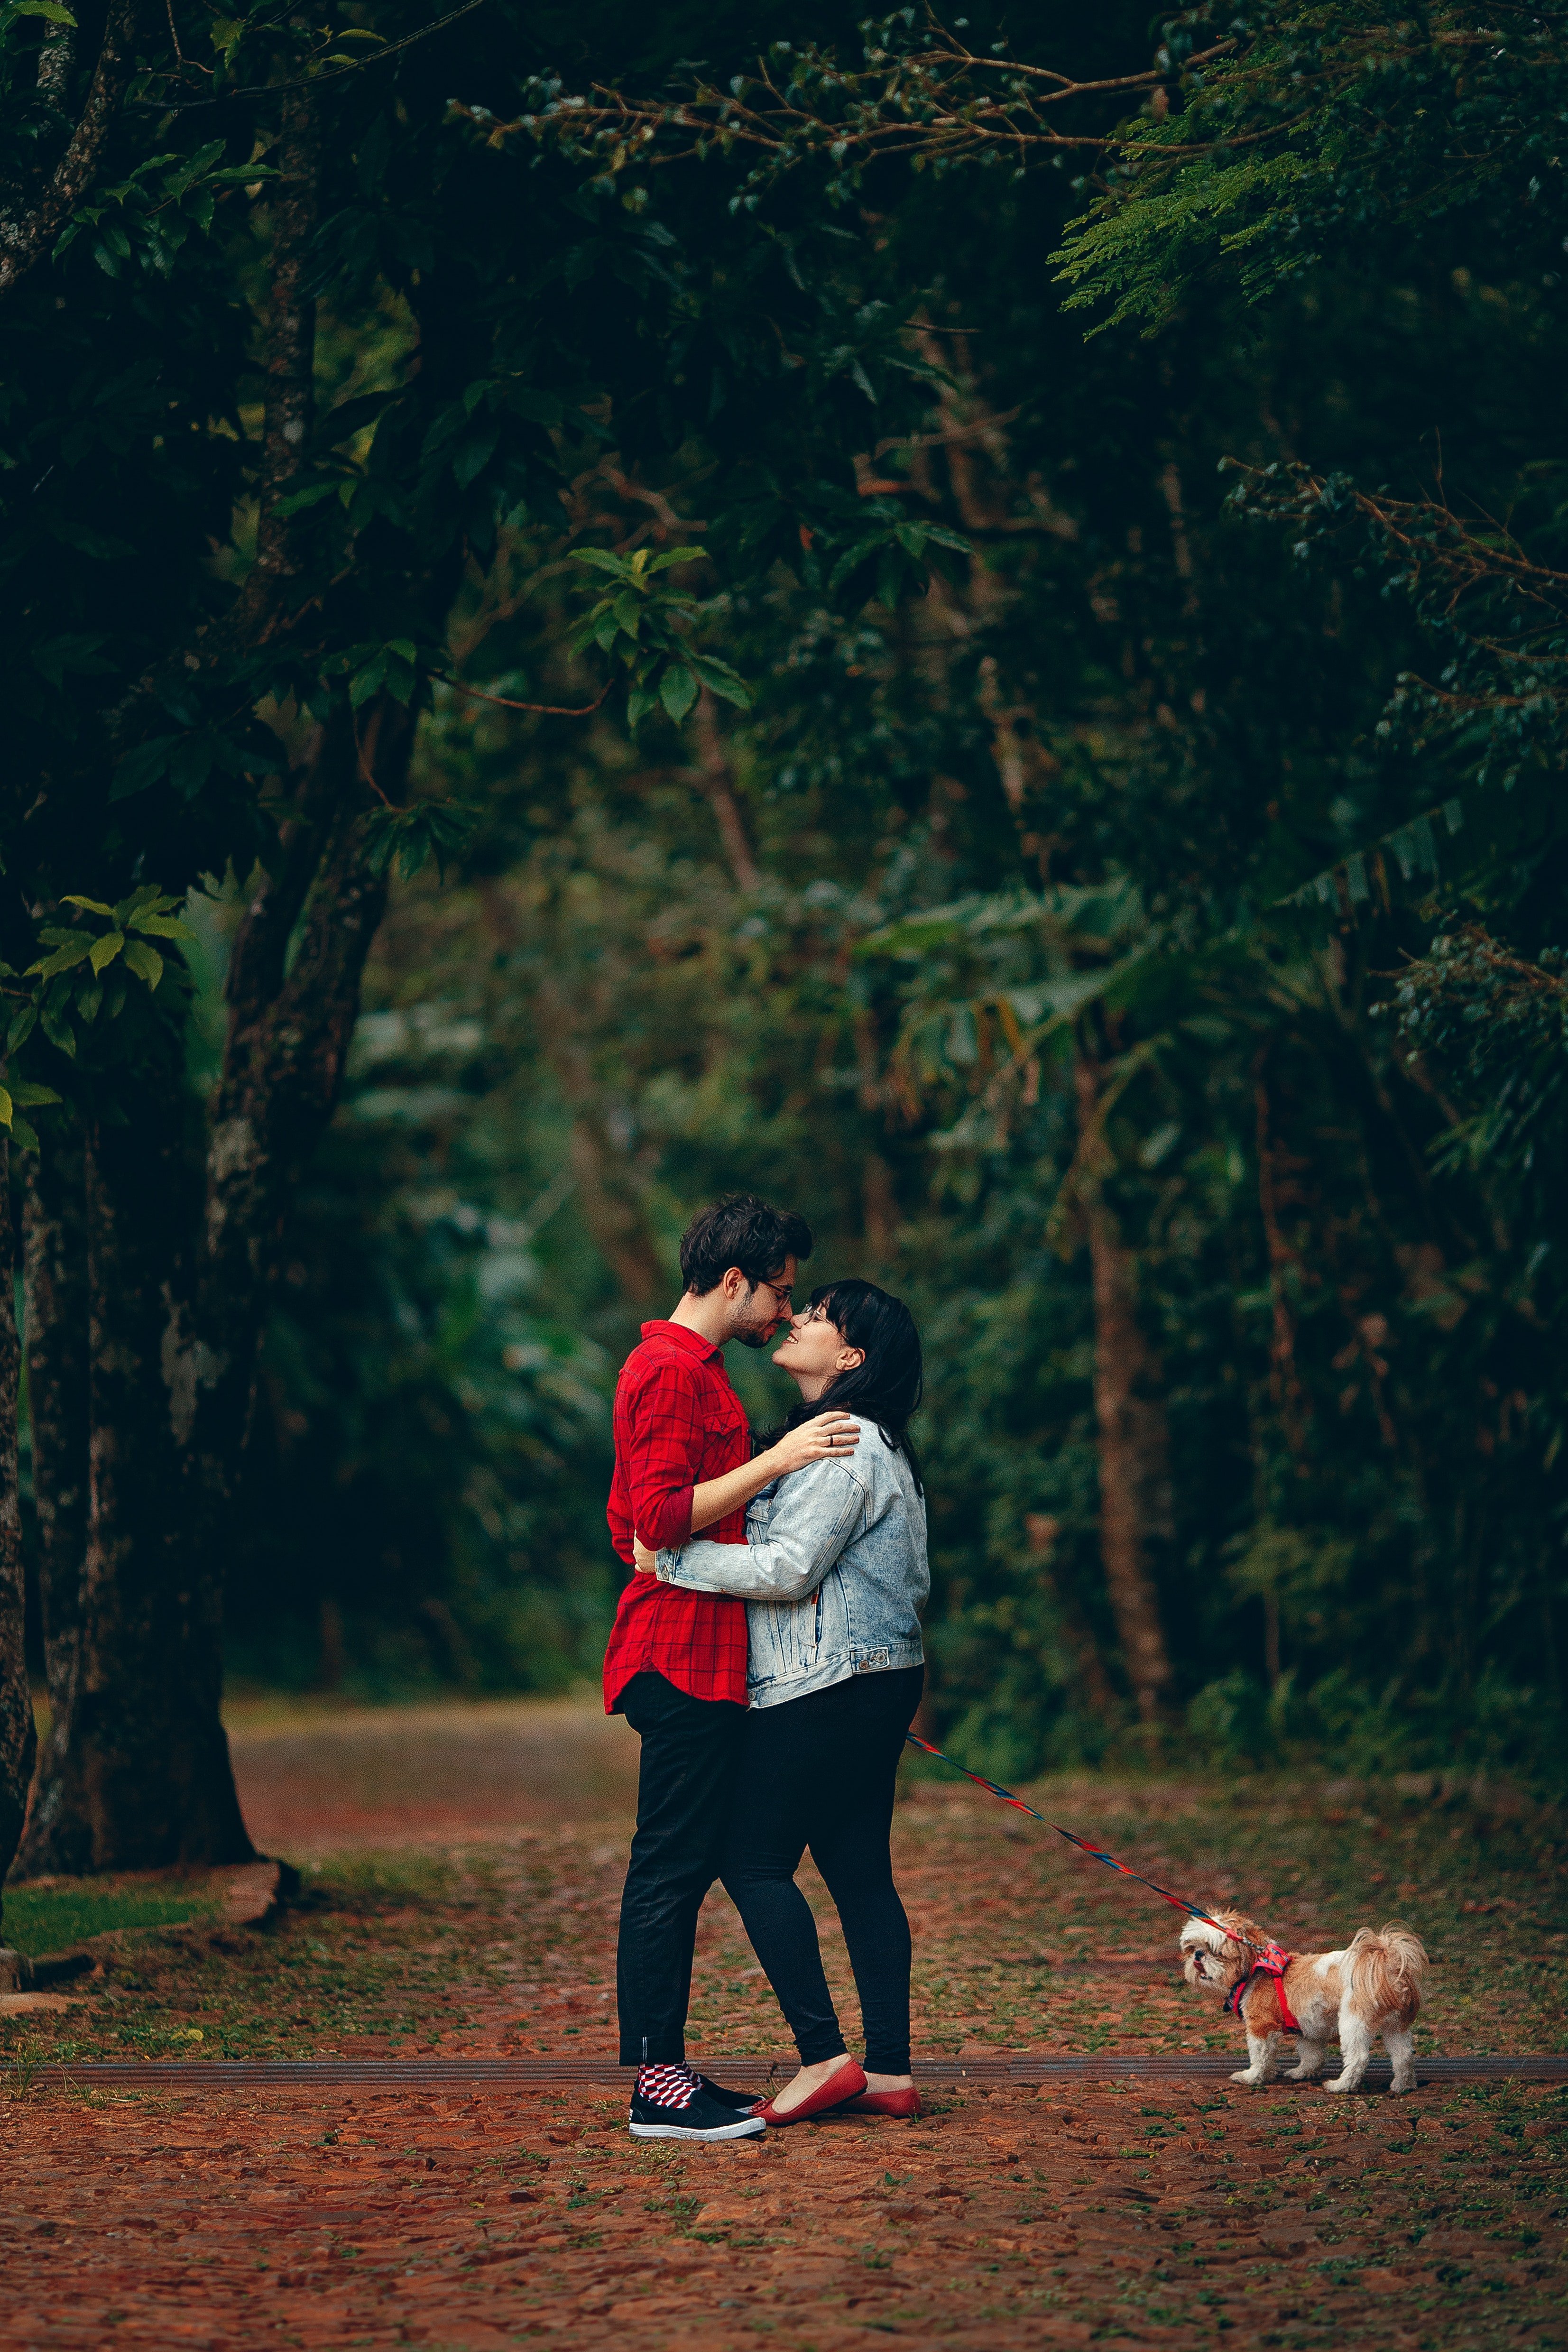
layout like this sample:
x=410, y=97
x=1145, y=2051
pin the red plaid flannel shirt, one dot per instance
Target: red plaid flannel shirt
x=678, y=1422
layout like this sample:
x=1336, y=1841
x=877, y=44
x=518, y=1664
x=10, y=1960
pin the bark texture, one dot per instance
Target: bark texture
x=27, y=231
x=289, y=400
x=19, y=1740
x=139, y=1777
x=181, y=1261
x=289, y=1028
x=718, y=781
x=1133, y=1447
x=56, y=1295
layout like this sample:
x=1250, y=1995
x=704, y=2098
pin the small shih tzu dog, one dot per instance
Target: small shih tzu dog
x=1373, y=1987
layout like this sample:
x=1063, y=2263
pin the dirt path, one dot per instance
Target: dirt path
x=462, y=1898
x=1004, y=2221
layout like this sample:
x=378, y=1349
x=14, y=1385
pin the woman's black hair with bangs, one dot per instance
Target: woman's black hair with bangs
x=888, y=1387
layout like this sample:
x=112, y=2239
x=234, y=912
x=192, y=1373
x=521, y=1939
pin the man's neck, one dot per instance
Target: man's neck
x=708, y=1316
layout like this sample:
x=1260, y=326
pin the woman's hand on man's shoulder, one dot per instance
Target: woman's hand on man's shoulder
x=830, y=1437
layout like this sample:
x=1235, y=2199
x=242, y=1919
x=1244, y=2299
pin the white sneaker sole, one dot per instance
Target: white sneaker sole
x=743, y=2127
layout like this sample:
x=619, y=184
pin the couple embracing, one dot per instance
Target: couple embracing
x=767, y=1652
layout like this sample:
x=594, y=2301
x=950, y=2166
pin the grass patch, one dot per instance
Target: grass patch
x=390, y=1944
x=51, y=1919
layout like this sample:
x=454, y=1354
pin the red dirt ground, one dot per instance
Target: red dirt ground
x=1124, y=2213
x=336, y=2219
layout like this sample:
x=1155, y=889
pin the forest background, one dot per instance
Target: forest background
x=1049, y=766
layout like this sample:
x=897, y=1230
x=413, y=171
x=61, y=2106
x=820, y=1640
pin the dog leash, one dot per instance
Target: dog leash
x=1096, y=1853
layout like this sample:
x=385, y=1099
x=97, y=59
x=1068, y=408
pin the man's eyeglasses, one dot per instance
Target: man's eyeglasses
x=781, y=1297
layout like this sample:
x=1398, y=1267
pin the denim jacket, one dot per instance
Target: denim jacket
x=834, y=1569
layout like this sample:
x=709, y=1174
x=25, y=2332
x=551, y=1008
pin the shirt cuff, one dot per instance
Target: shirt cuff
x=673, y=1521
x=668, y=1565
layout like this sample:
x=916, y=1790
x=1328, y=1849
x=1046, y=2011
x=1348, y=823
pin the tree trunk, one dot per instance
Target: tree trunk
x=289, y=1028
x=1042, y=1532
x=613, y=1215
x=18, y=1741
x=719, y=780
x=56, y=1320
x=180, y=1276
x=1134, y=1477
x=139, y=1776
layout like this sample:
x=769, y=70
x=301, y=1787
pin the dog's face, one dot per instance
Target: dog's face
x=1212, y=1958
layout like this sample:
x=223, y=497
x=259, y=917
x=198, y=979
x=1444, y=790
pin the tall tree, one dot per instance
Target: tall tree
x=265, y=707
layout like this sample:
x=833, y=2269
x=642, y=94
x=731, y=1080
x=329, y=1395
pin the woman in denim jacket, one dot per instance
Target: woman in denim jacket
x=834, y=1569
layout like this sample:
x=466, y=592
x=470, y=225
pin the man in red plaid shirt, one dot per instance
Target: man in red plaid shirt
x=676, y=1663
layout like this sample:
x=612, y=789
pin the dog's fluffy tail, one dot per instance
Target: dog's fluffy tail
x=1386, y=1972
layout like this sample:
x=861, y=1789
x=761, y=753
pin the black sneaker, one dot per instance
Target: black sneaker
x=742, y=2101
x=702, y=2117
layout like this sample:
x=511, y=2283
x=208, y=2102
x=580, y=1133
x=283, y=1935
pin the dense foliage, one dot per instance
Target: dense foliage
x=1054, y=776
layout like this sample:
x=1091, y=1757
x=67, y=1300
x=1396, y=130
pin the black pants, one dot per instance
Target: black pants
x=819, y=1772
x=690, y=1748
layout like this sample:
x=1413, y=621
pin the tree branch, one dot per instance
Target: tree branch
x=23, y=242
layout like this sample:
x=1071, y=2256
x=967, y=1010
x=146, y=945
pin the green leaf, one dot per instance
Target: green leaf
x=105, y=950
x=312, y=495
x=662, y=561
x=22, y=1028
x=6, y=1112
x=163, y=926
x=143, y=766
x=141, y=902
x=23, y=1134
x=677, y=692
x=351, y=416
x=31, y=1096
x=57, y=656
x=58, y=1031
x=76, y=948
x=722, y=680
x=144, y=961
x=91, y=905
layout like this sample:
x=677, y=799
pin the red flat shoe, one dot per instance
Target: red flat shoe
x=844, y=2083
x=903, y=2104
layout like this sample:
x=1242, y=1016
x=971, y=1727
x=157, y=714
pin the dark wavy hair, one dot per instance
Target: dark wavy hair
x=741, y=1231
x=888, y=1387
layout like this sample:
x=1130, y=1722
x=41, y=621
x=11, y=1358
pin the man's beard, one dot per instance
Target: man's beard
x=755, y=1335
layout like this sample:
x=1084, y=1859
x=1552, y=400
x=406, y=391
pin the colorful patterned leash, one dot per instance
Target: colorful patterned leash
x=1096, y=1854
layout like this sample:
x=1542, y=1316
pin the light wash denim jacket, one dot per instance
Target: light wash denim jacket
x=834, y=1566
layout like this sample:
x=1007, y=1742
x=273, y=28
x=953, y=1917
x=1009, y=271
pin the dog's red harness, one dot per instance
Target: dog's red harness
x=1272, y=1962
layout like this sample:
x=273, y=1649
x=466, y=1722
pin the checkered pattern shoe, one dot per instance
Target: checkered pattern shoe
x=673, y=2103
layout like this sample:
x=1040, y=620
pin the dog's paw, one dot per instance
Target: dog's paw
x=1339, y=2083
x=1399, y=2088
x=1247, y=2075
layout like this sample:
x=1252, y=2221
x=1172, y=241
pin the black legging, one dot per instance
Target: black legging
x=819, y=1772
